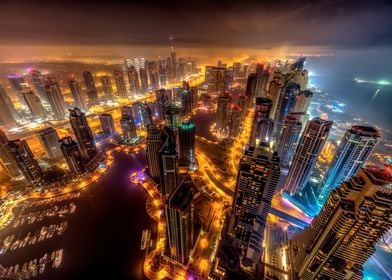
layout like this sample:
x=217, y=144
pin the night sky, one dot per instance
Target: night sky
x=205, y=24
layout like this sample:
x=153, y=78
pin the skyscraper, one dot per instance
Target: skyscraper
x=308, y=149
x=250, y=89
x=186, y=99
x=186, y=136
x=153, y=72
x=34, y=104
x=143, y=79
x=107, y=124
x=303, y=101
x=215, y=77
x=235, y=121
x=257, y=179
x=145, y=114
x=289, y=138
x=172, y=116
x=262, y=74
x=168, y=162
x=55, y=97
x=343, y=236
x=17, y=82
x=179, y=220
x=25, y=161
x=7, y=112
x=107, y=87
x=154, y=145
x=127, y=123
x=133, y=78
x=83, y=133
x=285, y=106
x=222, y=115
x=161, y=100
x=7, y=161
x=50, y=142
x=72, y=154
x=262, y=125
x=77, y=95
x=91, y=89
x=39, y=84
x=354, y=149
x=173, y=58
x=120, y=83
x=275, y=89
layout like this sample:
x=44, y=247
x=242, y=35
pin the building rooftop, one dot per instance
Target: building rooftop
x=365, y=130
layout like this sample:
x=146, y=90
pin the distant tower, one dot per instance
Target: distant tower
x=127, y=123
x=216, y=79
x=7, y=161
x=133, y=80
x=235, y=122
x=262, y=74
x=168, y=162
x=354, y=149
x=289, y=138
x=179, y=220
x=55, y=97
x=120, y=83
x=161, y=100
x=153, y=147
x=285, y=106
x=25, y=161
x=39, y=84
x=77, y=95
x=257, y=179
x=8, y=113
x=186, y=136
x=50, y=142
x=172, y=116
x=144, y=111
x=173, y=58
x=343, y=236
x=91, y=89
x=186, y=100
x=143, y=79
x=262, y=125
x=222, y=114
x=72, y=154
x=250, y=89
x=34, y=104
x=107, y=124
x=107, y=87
x=83, y=133
x=308, y=149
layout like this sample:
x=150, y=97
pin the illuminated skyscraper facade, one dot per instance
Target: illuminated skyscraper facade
x=154, y=145
x=133, y=78
x=168, y=162
x=161, y=101
x=354, y=149
x=8, y=113
x=7, y=161
x=72, y=154
x=107, y=124
x=250, y=89
x=186, y=136
x=107, y=87
x=77, y=95
x=91, y=88
x=172, y=116
x=39, y=83
x=306, y=153
x=262, y=125
x=235, y=122
x=257, y=179
x=120, y=83
x=83, y=134
x=289, y=138
x=50, y=142
x=343, y=236
x=222, y=114
x=127, y=123
x=55, y=98
x=34, y=104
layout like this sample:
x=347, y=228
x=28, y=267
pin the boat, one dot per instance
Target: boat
x=145, y=239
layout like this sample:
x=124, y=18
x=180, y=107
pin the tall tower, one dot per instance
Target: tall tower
x=34, y=104
x=262, y=74
x=72, y=154
x=250, y=89
x=235, y=122
x=83, y=133
x=8, y=113
x=50, y=142
x=275, y=89
x=143, y=79
x=285, y=106
x=172, y=116
x=144, y=111
x=133, y=78
x=179, y=220
x=303, y=101
x=173, y=58
x=154, y=145
x=91, y=88
x=77, y=95
x=186, y=136
x=120, y=83
x=55, y=97
x=168, y=162
x=308, y=149
x=257, y=178
x=107, y=87
x=25, y=161
x=354, y=149
x=289, y=138
x=342, y=237
x=262, y=125
x=161, y=100
x=107, y=124
x=222, y=114
x=7, y=161
x=39, y=83
x=186, y=99
x=127, y=123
